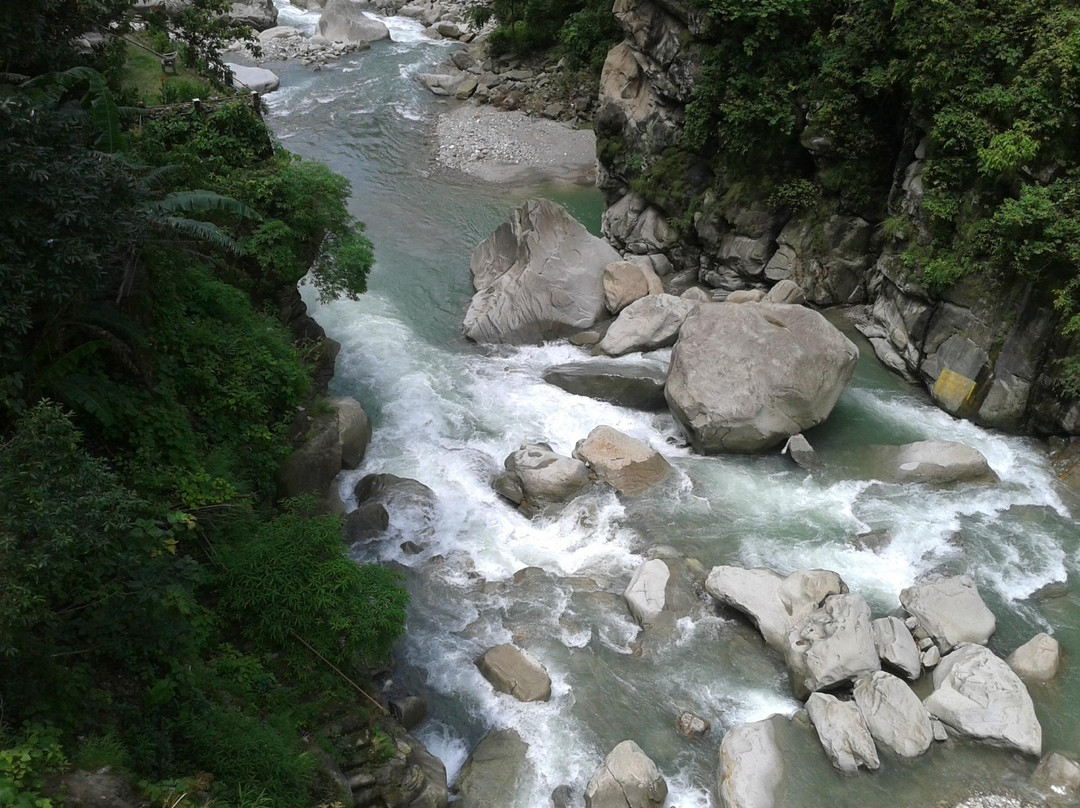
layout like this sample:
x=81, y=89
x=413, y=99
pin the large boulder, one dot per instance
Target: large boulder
x=519, y=673
x=894, y=714
x=775, y=603
x=626, y=779
x=627, y=281
x=751, y=766
x=345, y=21
x=354, y=430
x=843, y=732
x=897, y=647
x=950, y=610
x=546, y=476
x=639, y=387
x=626, y=464
x=744, y=378
x=977, y=695
x=491, y=774
x=833, y=645
x=1037, y=660
x=539, y=276
x=647, y=324
x=257, y=14
x=257, y=79
x=645, y=594
x=402, y=497
x=936, y=461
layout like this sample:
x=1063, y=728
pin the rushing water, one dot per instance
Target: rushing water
x=447, y=412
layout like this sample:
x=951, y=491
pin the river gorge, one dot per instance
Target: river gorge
x=446, y=412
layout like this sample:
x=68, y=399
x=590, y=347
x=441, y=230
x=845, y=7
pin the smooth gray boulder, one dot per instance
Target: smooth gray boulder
x=539, y=276
x=786, y=292
x=936, y=461
x=400, y=496
x=258, y=79
x=492, y=771
x=1037, y=660
x=772, y=601
x=258, y=14
x=517, y=672
x=1058, y=778
x=645, y=594
x=546, y=476
x=977, y=695
x=354, y=430
x=897, y=647
x=893, y=713
x=345, y=21
x=745, y=296
x=842, y=732
x=638, y=387
x=627, y=281
x=626, y=779
x=833, y=645
x=626, y=464
x=950, y=610
x=647, y=324
x=744, y=378
x=751, y=765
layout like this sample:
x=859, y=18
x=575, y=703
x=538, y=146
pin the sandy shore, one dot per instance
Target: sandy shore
x=511, y=148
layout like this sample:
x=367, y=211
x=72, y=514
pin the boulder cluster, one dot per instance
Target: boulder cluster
x=853, y=673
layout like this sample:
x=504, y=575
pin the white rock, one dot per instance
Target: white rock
x=896, y=646
x=627, y=464
x=977, y=695
x=258, y=79
x=950, y=610
x=843, y=732
x=626, y=779
x=894, y=714
x=751, y=766
x=1037, y=660
x=645, y=595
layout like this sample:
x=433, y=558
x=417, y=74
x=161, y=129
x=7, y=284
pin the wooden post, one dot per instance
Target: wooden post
x=198, y=105
x=256, y=104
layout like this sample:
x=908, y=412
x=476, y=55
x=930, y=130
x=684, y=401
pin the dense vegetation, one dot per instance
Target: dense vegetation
x=157, y=607
x=580, y=30
x=993, y=86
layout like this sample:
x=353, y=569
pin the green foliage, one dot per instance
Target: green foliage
x=292, y=579
x=25, y=760
x=794, y=195
x=100, y=750
x=582, y=30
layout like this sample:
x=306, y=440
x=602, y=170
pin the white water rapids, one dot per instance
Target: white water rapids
x=447, y=413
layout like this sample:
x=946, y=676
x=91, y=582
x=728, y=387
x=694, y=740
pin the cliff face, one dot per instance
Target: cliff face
x=985, y=352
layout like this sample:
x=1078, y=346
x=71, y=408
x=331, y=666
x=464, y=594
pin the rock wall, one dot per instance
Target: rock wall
x=985, y=353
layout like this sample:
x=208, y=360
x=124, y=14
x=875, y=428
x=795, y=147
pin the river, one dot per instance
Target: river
x=447, y=412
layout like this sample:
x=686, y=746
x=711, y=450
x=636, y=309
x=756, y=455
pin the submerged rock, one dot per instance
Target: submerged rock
x=977, y=695
x=538, y=276
x=1058, y=778
x=625, y=463
x=895, y=716
x=744, y=378
x=519, y=673
x=843, y=733
x=639, y=387
x=626, y=779
x=750, y=766
x=936, y=461
x=950, y=610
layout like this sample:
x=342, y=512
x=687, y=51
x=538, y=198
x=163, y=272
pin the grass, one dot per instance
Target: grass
x=144, y=75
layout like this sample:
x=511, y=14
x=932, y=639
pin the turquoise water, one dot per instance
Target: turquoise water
x=447, y=412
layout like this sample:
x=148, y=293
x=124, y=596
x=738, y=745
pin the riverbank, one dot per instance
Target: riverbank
x=507, y=147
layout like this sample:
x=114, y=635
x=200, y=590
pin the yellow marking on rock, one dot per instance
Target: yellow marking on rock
x=953, y=390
